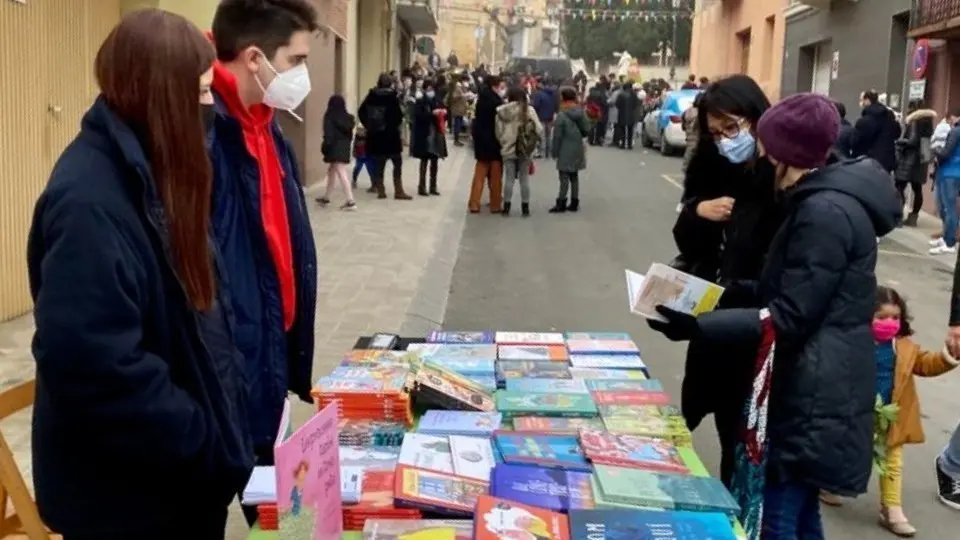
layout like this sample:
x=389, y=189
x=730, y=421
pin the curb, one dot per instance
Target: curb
x=916, y=240
x=429, y=303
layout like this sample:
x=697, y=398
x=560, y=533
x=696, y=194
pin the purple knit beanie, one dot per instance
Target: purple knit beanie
x=800, y=130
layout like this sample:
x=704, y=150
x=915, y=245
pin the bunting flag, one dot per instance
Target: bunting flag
x=622, y=15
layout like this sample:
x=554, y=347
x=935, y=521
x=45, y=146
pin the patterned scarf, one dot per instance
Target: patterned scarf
x=751, y=456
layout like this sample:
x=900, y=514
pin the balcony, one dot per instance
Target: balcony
x=419, y=16
x=818, y=4
x=935, y=19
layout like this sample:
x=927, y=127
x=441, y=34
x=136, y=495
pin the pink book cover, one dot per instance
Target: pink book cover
x=630, y=397
x=308, y=477
x=604, y=447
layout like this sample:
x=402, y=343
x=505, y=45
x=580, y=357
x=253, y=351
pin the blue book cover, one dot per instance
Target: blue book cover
x=454, y=350
x=467, y=366
x=604, y=336
x=602, y=346
x=487, y=382
x=480, y=424
x=626, y=385
x=560, y=386
x=649, y=525
x=607, y=361
x=554, y=451
x=553, y=489
x=463, y=337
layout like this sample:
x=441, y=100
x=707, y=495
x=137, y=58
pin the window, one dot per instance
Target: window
x=744, y=39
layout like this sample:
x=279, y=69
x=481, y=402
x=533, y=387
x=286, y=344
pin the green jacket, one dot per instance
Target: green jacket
x=568, y=147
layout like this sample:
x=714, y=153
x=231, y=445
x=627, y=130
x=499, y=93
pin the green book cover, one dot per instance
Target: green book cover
x=663, y=490
x=513, y=404
x=692, y=461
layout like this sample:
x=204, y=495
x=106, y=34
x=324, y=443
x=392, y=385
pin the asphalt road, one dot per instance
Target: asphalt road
x=566, y=273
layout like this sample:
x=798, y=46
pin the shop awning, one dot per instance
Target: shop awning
x=419, y=16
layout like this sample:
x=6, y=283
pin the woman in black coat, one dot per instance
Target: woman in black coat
x=727, y=220
x=428, y=143
x=338, y=127
x=914, y=157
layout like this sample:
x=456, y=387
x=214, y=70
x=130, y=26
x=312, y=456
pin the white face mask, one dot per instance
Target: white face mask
x=419, y=94
x=287, y=90
x=431, y=93
x=501, y=92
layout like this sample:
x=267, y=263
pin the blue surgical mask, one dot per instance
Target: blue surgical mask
x=738, y=149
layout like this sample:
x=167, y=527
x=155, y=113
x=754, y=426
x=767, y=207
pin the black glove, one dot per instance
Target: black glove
x=739, y=294
x=679, y=326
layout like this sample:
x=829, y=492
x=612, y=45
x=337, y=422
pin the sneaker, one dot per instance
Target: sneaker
x=948, y=487
x=943, y=249
x=323, y=201
x=936, y=242
x=349, y=206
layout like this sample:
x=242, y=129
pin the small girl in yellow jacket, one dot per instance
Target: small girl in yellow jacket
x=899, y=358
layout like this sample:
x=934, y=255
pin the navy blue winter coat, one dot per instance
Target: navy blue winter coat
x=140, y=410
x=546, y=104
x=276, y=360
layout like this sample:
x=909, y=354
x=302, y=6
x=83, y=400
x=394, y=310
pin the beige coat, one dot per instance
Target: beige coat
x=912, y=360
x=508, y=125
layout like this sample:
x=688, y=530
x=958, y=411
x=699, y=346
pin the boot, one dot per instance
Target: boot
x=574, y=205
x=560, y=207
x=398, y=192
x=422, y=188
x=433, y=187
x=380, y=189
x=911, y=220
x=525, y=209
x=506, y=209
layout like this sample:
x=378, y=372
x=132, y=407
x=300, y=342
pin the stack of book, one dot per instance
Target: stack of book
x=418, y=529
x=373, y=491
x=368, y=392
x=371, y=433
x=476, y=362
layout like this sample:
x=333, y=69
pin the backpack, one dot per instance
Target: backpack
x=527, y=140
x=376, y=119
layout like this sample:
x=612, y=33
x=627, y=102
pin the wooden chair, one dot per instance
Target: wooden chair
x=25, y=521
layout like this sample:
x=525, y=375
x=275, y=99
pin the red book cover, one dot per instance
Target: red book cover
x=634, y=451
x=498, y=519
x=634, y=397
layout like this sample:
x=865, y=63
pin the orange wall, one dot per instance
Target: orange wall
x=717, y=48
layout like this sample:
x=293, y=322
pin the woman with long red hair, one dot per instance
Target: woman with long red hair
x=139, y=424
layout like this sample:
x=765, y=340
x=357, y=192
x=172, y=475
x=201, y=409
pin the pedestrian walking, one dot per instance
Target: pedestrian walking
x=569, y=150
x=914, y=156
x=519, y=133
x=546, y=104
x=428, y=142
x=947, y=188
x=361, y=161
x=628, y=108
x=486, y=147
x=457, y=107
x=876, y=131
x=382, y=117
x=337, y=137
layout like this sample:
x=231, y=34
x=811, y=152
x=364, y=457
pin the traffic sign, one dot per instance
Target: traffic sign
x=921, y=58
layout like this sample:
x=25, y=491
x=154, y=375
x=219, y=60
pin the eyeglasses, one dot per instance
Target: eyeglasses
x=730, y=129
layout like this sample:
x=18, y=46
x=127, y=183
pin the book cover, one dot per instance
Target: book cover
x=607, y=361
x=500, y=519
x=473, y=423
x=649, y=524
x=351, y=483
x=436, y=491
x=607, y=374
x=664, y=490
x=603, y=346
x=554, y=489
x=447, y=373
x=529, y=338
x=410, y=529
x=605, y=385
x=460, y=337
x=472, y=457
x=557, y=451
x=376, y=490
x=476, y=351
x=606, y=336
x=630, y=397
x=384, y=457
x=555, y=425
x=693, y=462
x=487, y=382
x=513, y=404
x=663, y=421
x=446, y=393
x=466, y=366
x=517, y=369
x=664, y=285
x=538, y=353
x=562, y=386
x=631, y=451
x=429, y=452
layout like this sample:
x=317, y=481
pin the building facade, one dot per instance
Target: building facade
x=739, y=36
x=936, y=24
x=467, y=28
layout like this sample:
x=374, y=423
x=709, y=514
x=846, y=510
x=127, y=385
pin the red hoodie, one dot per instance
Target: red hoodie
x=255, y=122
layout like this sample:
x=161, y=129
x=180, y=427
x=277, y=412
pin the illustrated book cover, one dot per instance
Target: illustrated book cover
x=466, y=366
x=554, y=489
x=622, y=524
x=487, y=382
x=556, y=451
x=607, y=361
x=538, y=353
x=465, y=351
x=418, y=529
x=384, y=457
x=436, y=491
x=664, y=490
x=630, y=397
x=607, y=385
x=517, y=369
x=513, y=404
x=555, y=425
x=472, y=423
x=664, y=285
x=529, y=338
x=605, y=336
x=460, y=337
x=444, y=392
x=607, y=374
x=562, y=386
x=603, y=346
x=431, y=452
x=472, y=457
x=625, y=450
x=501, y=519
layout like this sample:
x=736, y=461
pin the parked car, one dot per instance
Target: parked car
x=663, y=126
x=558, y=68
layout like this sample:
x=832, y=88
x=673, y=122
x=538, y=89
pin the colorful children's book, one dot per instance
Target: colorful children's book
x=605, y=447
x=555, y=451
x=443, y=391
x=630, y=397
x=429, y=452
x=607, y=361
x=478, y=351
x=603, y=385
x=553, y=489
x=667, y=286
x=466, y=366
x=417, y=529
x=513, y=404
x=472, y=457
x=371, y=432
x=351, y=484
x=517, y=369
x=487, y=382
x=529, y=338
x=649, y=524
x=607, y=374
x=562, y=386
x=693, y=462
x=540, y=353
x=307, y=462
x=501, y=519
x=436, y=491
x=603, y=346
x=606, y=336
x=664, y=421
x=554, y=425
x=369, y=457
x=460, y=337
x=471, y=423
x=664, y=490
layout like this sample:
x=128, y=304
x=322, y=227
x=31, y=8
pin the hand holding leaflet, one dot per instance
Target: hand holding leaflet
x=669, y=287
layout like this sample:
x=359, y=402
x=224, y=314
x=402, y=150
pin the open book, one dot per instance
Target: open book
x=663, y=285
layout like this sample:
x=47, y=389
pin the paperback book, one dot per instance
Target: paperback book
x=472, y=457
x=501, y=519
x=605, y=447
x=518, y=369
x=649, y=524
x=466, y=366
x=512, y=404
x=663, y=421
x=664, y=490
x=554, y=451
x=418, y=529
x=471, y=423
x=423, y=451
x=603, y=346
x=437, y=492
x=630, y=397
x=561, y=386
x=539, y=353
x=605, y=336
x=555, y=425
x=667, y=286
x=606, y=385
x=554, y=489
x=607, y=361
x=460, y=337
x=475, y=351
x=371, y=432
x=351, y=484
x=487, y=382
x=607, y=374
x=384, y=458
x=443, y=392
x=529, y=338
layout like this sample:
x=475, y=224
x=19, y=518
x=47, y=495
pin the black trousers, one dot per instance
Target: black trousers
x=618, y=134
x=728, y=425
x=917, y=188
x=627, y=141
x=432, y=163
x=599, y=133
x=380, y=167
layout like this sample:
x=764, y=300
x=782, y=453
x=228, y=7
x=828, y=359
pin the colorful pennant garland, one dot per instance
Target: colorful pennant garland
x=620, y=15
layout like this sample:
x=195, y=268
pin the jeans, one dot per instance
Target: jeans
x=516, y=169
x=571, y=181
x=946, y=191
x=457, y=128
x=791, y=511
x=360, y=164
x=547, y=138
x=950, y=457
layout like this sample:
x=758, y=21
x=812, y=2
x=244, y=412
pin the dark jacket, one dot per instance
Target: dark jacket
x=598, y=98
x=567, y=146
x=819, y=286
x=876, y=131
x=426, y=141
x=628, y=105
x=546, y=104
x=912, y=165
x=337, y=136
x=140, y=400
x=845, y=139
x=277, y=360
x=483, y=129
x=381, y=115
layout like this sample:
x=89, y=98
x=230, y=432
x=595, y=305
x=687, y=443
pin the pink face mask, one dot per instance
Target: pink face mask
x=885, y=329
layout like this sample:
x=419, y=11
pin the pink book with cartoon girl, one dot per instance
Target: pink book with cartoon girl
x=308, y=477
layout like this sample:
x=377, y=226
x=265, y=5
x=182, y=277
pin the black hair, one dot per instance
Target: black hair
x=266, y=24
x=871, y=96
x=492, y=81
x=568, y=94
x=384, y=80
x=887, y=295
x=692, y=78
x=841, y=109
x=736, y=95
x=336, y=104
x=429, y=84
x=515, y=93
x=704, y=80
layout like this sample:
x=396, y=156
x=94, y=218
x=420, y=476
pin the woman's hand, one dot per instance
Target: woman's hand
x=716, y=209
